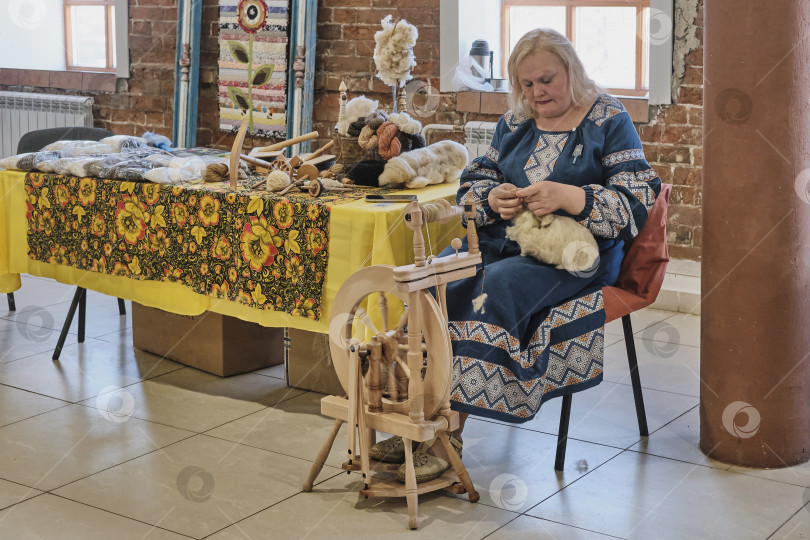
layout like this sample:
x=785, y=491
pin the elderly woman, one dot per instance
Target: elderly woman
x=565, y=148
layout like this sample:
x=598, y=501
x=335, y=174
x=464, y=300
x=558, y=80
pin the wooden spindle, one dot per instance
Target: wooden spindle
x=373, y=382
x=416, y=395
x=472, y=233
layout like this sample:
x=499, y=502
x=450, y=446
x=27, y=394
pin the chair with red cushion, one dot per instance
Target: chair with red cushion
x=640, y=278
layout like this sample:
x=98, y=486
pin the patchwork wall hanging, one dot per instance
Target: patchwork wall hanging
x=253, y=38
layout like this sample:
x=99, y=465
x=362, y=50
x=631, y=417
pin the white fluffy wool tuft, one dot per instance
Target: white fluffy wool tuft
x=405, y=123
x=440, y=162
x=555, y=240
x=393, y=54
x=358, y=107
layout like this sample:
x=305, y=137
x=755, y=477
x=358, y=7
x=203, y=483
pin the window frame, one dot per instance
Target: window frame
x=570, y=32
x=110, y=36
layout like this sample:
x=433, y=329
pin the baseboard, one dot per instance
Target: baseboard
x=680, y=291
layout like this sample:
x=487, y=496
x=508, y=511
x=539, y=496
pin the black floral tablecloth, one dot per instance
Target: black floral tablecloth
x=253, y=247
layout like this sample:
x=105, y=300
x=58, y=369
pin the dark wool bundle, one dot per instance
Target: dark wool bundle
x=356, y=127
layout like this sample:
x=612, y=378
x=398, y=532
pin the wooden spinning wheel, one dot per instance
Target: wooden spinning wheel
x=350, y=319
x=416, y=406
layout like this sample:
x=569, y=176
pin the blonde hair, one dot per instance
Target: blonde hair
x=545, y=39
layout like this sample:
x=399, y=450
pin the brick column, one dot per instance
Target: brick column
x=755, y=342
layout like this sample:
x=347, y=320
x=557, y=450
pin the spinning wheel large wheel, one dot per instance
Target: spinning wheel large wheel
x=350, y=320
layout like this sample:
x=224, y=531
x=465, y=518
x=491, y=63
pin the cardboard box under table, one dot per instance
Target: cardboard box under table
x=211, y=342
x=309, y=363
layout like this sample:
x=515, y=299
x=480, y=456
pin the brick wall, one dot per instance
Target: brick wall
x=672, y=137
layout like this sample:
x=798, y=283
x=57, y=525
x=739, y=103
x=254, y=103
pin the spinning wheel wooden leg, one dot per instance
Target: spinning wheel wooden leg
x=459, y=467
x=411, y=495
x=320, y=459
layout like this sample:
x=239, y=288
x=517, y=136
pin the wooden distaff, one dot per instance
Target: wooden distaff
x=275, y=150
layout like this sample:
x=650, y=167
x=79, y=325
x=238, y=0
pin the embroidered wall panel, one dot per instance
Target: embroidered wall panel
x=253, y=52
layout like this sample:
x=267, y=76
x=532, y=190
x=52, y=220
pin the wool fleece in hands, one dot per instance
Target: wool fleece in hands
x=555, y=240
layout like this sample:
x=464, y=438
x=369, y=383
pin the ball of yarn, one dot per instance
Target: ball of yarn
x=277, y=180
x=389, y=144
x=356, y=126
x=376, y=119
x=368, y=138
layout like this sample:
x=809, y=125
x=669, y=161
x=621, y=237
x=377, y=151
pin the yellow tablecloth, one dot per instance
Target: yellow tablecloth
x=361, y=234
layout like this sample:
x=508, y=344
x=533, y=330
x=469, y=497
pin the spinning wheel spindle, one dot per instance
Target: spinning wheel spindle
x=373, y=382
x=472, y=232
x=416, y=396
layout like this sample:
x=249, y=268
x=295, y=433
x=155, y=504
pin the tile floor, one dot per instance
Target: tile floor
x=111, y=442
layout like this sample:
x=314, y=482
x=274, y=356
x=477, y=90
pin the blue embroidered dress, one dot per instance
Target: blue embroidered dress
x=540, y=331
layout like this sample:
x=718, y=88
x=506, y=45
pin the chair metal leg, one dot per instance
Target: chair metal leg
x=562, y=433
x=68, y=320
x=634, y=376
x=12, y=306
x=122, y=307
x=82, y=312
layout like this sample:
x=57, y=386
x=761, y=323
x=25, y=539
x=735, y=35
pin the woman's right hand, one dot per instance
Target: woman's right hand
x=502, y=199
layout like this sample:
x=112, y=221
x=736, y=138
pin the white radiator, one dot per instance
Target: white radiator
x=21, y=112
x=479, y=135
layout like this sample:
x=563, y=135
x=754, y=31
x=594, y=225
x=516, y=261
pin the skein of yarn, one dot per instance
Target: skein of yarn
x=368, y=138
x=389, y=144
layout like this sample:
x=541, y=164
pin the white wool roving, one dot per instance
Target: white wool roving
x=405, y=123
x=440, y=162
x=358, y=107
x=393, y=53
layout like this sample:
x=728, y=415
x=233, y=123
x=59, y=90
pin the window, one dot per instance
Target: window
x=60, y=35
x=610, y=36
x=626, y=45
x=90, y=35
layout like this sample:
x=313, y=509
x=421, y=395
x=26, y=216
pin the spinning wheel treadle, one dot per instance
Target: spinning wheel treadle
x=350, y=319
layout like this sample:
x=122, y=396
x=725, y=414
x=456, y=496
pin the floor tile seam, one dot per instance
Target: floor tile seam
x=117, y=514
x=630, y=384
x=684, y=461
x=67, y=404
x=37, y=494
x=665, y=424
x=654, y=341
x=555, y=435
x=86, y=398
x=163, y=424
x=263, y=408
x=219, y=438
x=730, y=469
x=274, y=504
x=502, y=526
x=13, y=505
x=566, y=486
x=575, y=527
x=805, y=506
x=102, y=336
x=272, y=377
x=133, y=458
x=49, y=351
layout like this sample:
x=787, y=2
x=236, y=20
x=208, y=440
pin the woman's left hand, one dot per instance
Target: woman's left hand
x=546, y=197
